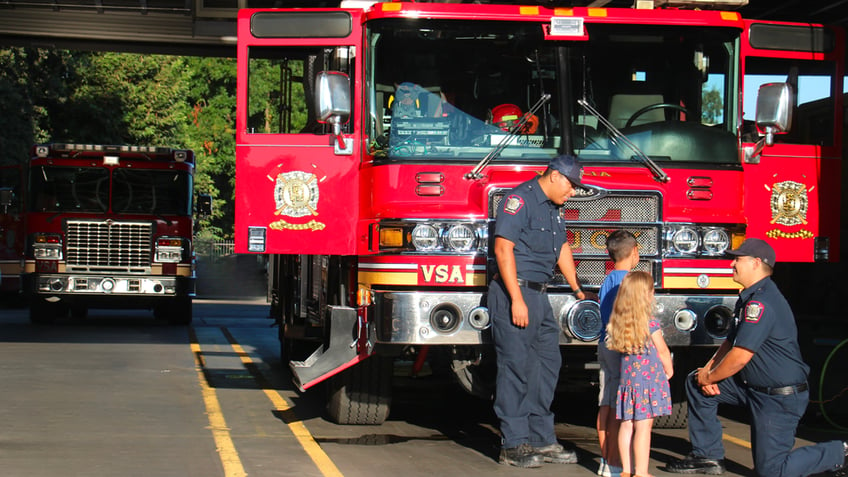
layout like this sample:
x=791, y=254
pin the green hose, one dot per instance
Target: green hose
x=821, y=387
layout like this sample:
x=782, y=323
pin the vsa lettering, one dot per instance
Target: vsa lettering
x=442, y=273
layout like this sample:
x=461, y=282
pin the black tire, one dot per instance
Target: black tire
x=476, y=380
x=678, y=418
x=180, y=311
x=79, y=312
x=43, y=312
x=362, y=394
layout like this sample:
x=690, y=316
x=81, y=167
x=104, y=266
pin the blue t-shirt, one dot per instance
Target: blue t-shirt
x=609, y=289
x=533, y=223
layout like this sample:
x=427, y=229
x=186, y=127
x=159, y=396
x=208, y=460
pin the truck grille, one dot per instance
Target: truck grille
x=109, y=246
x=591, y=217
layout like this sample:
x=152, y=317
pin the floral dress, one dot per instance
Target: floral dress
x=643, y=392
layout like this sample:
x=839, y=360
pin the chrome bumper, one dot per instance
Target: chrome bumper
x=461, y=318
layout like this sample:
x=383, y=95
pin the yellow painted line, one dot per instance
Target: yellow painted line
x=217, y=424
x=736, y=440
x=298, y=428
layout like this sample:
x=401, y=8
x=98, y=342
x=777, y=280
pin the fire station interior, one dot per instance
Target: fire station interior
x=208, y=28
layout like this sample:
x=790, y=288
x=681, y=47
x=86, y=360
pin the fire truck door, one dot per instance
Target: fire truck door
x=792, y=189
x=297, y=183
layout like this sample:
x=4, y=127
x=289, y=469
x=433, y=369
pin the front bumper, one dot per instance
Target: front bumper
x=462, y=318
x=108, y=287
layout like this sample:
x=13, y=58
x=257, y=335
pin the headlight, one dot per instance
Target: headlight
x=46, y=246
x=715, y=241
x=171, y=249
x=460, y=238
x=690, y=240
x=47, y=252
x=444, y=236
x=685, y=240
x=425, y=237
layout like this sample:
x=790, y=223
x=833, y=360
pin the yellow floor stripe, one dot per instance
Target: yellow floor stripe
x=736, y=440
x=217, y=424
x=301, y=433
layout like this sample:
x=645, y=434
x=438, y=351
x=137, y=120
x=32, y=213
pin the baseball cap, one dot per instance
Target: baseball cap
x=568, y=166
x=757, y=248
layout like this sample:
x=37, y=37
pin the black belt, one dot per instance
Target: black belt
x=782, y=391
x=539, y=287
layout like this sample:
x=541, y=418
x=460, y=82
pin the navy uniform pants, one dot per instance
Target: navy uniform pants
x=528, y=368
x=774, y=419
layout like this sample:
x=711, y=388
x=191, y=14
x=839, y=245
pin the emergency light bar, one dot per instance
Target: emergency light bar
x=113, y=151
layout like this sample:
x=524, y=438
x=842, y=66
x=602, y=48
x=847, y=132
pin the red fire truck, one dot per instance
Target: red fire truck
x=374, y=144
x=109, y=227
x=11, y=230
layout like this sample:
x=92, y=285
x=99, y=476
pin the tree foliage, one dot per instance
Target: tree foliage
x=120, y=98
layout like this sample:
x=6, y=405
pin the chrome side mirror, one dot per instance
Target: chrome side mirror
x=332, y=100
x=204, y=205
x=774, y=110
x=775, y=102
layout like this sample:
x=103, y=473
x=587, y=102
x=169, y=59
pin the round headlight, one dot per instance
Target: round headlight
x=715, y=241
x=461, y=238
x=425, y=237
x=685, y=240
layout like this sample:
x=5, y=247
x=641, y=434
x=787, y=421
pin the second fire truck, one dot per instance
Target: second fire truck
x=109, y=227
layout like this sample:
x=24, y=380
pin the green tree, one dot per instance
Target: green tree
x=712, y=111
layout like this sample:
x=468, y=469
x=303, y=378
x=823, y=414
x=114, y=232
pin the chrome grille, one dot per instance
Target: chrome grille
x=109, y=246
x=591, y=218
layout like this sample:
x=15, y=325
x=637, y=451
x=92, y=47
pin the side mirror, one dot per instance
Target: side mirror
x=204, y=205
x=332, y=100
x=7, y=196
x=774, y=110
x=774, y=116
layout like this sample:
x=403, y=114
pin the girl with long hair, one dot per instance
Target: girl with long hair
x=643, y=392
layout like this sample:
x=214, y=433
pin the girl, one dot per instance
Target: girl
x=643, y=391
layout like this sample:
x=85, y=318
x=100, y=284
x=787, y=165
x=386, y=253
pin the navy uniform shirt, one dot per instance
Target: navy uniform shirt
x=532, y=222
x=765, y=325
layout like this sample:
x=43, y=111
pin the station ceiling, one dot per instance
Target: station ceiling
x=207, y=27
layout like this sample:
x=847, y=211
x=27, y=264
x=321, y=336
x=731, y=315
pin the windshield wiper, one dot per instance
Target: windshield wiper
x=510, y=135
x=656, y=170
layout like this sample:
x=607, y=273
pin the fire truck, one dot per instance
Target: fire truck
x=11, y=230
x=109, y=226
x=375, y=142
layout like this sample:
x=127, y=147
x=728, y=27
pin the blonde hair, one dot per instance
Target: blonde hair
x=627, y=331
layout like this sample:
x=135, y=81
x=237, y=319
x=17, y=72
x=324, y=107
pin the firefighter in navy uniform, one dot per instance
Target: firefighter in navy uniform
x=758, y=366
x=530, y=240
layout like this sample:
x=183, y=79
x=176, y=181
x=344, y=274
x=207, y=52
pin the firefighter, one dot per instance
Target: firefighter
x=758, y=366
x=530, y=239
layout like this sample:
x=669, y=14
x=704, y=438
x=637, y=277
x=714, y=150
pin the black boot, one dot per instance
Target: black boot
x=694, y=464
x=521, y=456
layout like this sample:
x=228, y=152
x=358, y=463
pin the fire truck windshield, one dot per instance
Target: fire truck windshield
x=451, y=89
x=87, y=189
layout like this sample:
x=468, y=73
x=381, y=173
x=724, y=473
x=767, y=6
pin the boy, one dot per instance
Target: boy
x=624, y=251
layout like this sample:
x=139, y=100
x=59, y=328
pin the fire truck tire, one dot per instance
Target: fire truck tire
x=44, y=312
x=177, y=311
x=362, y=394
x=476, y=380
x=676, y=420
x=79, y=312
x=180, y=311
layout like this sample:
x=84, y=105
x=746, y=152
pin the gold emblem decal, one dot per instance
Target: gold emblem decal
x=789, y=203
x=296, y=194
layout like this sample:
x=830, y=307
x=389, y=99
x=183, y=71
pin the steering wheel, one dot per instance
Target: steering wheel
x=653, y=107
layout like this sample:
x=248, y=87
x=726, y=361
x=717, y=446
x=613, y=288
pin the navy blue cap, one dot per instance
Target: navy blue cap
x=757, y=248
x=570, y=167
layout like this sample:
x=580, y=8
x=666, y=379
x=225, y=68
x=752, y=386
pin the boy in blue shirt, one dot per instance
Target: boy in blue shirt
x=623, y=249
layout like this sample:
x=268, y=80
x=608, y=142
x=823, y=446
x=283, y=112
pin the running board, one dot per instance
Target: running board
x=340, y=355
